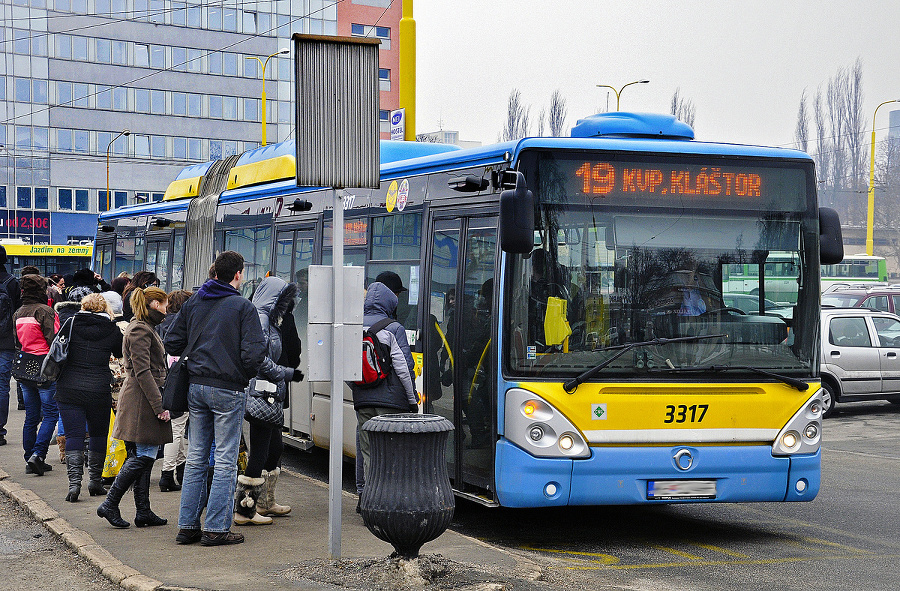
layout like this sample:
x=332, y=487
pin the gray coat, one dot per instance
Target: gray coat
x=398, y=391
x=273, y=299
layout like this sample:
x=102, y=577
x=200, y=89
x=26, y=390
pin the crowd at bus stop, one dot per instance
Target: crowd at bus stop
x=103, y=406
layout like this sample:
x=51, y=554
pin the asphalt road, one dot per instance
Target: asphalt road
x=848, y=538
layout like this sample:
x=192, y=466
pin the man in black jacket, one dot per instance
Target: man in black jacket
x=9, y=303
x=229, y=347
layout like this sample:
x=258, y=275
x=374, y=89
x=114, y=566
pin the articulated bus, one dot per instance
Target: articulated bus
x=565, y=302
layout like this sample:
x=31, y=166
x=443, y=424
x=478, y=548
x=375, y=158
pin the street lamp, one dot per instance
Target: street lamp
x=282, y=51
x=619, y=92
x=126, y=133
x=870, y=215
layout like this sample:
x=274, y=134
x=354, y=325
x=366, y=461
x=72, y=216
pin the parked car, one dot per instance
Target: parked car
x=860, y=356
x=884, y=298
x=749, y=304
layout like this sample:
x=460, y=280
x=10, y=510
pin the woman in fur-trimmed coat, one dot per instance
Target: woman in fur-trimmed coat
x=255, y=493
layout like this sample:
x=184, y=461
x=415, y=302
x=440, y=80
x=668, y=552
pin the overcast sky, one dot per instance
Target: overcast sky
x=744, y=65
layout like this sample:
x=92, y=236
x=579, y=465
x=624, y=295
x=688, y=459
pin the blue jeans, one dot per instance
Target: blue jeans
x=216, y=414
x=41, y=415
x=6, y=359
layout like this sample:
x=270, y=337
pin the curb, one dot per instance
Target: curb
x=80, y=541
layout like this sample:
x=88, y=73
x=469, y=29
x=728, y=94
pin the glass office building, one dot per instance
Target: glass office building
x=75, y=74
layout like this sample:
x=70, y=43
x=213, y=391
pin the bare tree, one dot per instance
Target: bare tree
x=887, y=194
x=516, y=126
x=557, y=114
x=540, y=126
x=683, y=109
x=801, y=133
x=855, y=125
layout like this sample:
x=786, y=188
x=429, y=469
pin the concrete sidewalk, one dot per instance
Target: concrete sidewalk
x=149, y=558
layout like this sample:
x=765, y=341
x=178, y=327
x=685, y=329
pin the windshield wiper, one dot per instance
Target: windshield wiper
x=573, y=384
x=794, y=382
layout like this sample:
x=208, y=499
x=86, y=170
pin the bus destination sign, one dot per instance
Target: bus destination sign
x=658, y=182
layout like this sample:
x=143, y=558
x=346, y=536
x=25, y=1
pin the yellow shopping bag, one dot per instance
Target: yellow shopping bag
x=115, y=451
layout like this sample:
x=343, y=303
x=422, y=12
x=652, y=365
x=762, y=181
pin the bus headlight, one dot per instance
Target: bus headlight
x=803, y=433
x=539, y=428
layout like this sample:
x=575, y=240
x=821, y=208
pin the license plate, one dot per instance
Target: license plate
x=663, y=490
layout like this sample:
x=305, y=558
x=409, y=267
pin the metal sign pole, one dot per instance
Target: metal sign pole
x=335, y=451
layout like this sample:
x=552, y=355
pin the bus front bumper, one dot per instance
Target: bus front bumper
x=621, y=476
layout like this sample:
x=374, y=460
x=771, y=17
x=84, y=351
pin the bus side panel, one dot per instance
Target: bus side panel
x=522, y=479
x=614, y=476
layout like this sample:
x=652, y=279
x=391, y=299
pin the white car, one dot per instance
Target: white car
x=860, y=356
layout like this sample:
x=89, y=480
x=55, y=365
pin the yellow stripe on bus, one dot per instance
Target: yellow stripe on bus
x=273, y=169
x=660, y=413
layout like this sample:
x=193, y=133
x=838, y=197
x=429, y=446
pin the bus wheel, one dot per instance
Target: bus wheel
x=828, y=399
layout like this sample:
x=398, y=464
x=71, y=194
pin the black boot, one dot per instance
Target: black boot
x=167, y=481
x=109, y=509
x=96, y=460
x=144, y=517
x=179, y=473
x=75, y=471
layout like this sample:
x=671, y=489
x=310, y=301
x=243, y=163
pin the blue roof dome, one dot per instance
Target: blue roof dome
x=623, y=124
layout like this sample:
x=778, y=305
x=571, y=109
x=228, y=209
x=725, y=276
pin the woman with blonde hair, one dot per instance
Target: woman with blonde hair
x=83, y=390
x=141, y=421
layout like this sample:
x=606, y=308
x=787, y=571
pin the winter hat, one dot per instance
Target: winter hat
x=34, y=285
x=392, y=281
x=77, y=293
x=115, y=301
x=84, y=277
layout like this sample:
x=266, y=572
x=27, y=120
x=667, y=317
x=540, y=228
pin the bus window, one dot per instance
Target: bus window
x=254, y=244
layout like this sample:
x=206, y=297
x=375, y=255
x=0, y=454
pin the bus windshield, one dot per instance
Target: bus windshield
x=605, y=274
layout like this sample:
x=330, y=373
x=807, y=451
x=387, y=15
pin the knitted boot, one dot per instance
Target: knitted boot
x=246, y=496
x=267, y=504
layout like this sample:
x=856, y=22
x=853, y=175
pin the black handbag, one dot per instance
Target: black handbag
x=27, y=367
x=55, y=359
x=178, y=380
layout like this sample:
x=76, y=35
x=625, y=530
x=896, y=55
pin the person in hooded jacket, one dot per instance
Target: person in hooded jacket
x=10, y=285
x=36, y=325
x=255, y=494
x=141, y=421
x=83, y=391
x=397, y=393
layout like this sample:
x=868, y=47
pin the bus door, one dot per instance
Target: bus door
x=458, y=360
x=158, y=260
x=293, y=256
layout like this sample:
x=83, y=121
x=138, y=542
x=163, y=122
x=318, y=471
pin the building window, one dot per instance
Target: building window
x=64, y=199
x=82, y=94
x=158, y=102
x=214, y=62
x=214, y=18
x=121, y=198
x=41, y=139
x=64, y=140
x=103, y=98
x=41, y=198
x=157, y=196
x=157, y=12
x=80, y=48
x=194, y=17
x=384, y=79
x=230, y=66
x=195, y=60
x=215, y=150
x=158, y=146
x=23, y=197
x=179, y=148
x=2, y=196
x=63, y=46
x=229, y=108
x=215, y=106
x=141, y=100
x=179, y=13
x=120, y=98
x=23, y=90
x=230, y=20
x=141, y=55
x=119, y=53
x=179, y=103
x=63, y=93
x=195, y=149
x=39, y=93
x=158, y=57
x=82, y=141
x=249, y=22
x=179, y=59
x=250, y=110
x=141, y=146
x=104, y=51
x=82, y=201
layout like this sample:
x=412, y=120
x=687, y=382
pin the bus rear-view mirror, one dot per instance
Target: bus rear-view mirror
x=517, y=217
x=831, y=243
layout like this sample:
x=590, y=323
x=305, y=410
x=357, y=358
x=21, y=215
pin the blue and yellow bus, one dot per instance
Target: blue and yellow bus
x=564, y=302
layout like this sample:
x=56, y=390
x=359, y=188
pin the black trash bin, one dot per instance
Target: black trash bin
x=407, y=500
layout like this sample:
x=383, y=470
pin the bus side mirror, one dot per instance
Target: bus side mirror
x=831, y=243
x=517, y=217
